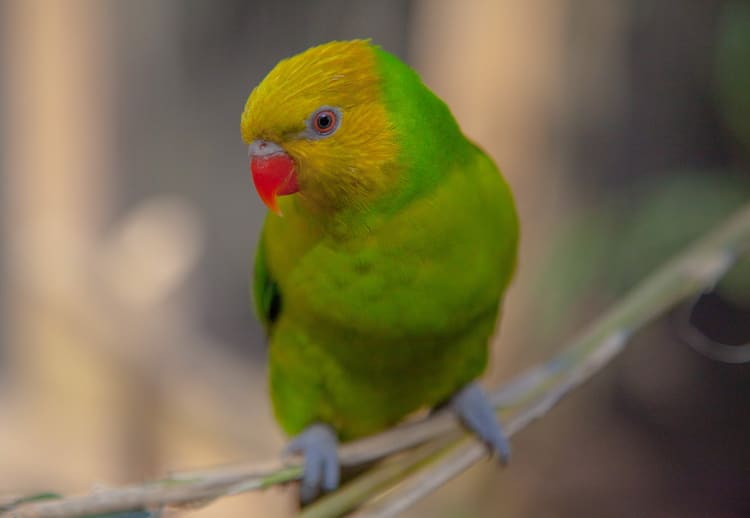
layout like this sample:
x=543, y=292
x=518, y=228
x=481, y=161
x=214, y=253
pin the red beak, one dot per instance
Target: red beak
x=274, y=173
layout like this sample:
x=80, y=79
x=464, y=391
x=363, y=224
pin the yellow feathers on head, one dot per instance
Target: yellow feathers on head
x=356, y=160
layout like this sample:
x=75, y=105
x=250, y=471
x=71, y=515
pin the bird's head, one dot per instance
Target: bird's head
x=317, y=126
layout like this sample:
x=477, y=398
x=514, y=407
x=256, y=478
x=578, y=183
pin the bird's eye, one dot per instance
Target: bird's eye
x=325, y=122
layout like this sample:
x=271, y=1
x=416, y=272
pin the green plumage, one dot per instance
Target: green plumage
x=377, y=311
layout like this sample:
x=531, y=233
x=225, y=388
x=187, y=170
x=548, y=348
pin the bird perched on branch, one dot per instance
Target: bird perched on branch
x=381, y=268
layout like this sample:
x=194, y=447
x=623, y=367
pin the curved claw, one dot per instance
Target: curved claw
x=474, y=409
x=319, y=446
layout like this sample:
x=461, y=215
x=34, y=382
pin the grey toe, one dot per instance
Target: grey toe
x=476, y=412
x=319, y=446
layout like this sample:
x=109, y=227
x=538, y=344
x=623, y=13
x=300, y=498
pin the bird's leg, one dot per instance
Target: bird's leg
x=475, y=411
x=318, y=444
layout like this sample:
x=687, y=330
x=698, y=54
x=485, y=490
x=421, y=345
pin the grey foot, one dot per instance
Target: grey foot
x=318, y=444
x=474, y=409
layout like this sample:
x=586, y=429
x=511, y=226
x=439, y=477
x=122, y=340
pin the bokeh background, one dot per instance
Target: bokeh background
x=128, y=223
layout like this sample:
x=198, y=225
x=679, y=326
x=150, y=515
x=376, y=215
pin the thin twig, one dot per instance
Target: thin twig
x=467, y=451
x=420, y=471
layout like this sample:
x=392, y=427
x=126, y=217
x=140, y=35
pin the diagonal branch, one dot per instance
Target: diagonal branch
x=434, y=449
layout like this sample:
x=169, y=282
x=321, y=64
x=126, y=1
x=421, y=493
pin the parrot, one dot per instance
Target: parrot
x=389, y=242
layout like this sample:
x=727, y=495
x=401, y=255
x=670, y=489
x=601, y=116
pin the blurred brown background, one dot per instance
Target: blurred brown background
x=128, y=223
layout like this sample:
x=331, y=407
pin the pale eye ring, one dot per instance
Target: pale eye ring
x=325, y=121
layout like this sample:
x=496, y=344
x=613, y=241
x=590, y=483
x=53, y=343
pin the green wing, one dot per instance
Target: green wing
x=266, y=292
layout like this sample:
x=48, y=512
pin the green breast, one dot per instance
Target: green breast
x=395, y=319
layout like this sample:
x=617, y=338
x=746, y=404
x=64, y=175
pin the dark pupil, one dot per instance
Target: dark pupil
x=324, y=121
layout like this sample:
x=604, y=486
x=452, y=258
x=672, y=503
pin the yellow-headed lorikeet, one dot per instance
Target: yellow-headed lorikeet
x=380, y=271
